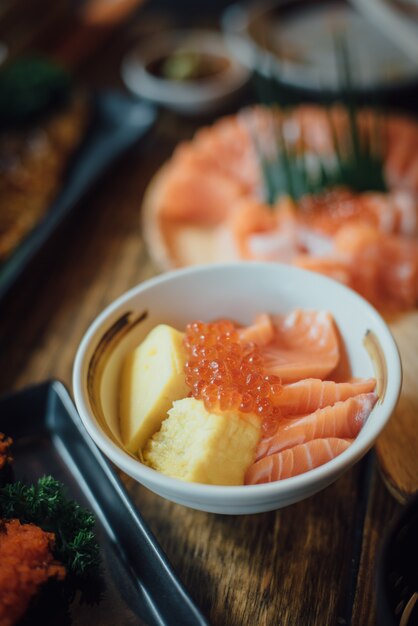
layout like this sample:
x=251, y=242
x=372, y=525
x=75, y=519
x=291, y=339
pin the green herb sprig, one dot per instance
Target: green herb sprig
x=357, y=162
x=46, y=505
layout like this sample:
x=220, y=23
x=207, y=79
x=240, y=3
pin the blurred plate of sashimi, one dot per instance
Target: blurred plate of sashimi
x=330, y=189
x=210, y=202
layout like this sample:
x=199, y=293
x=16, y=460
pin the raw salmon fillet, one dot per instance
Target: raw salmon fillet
x=305, y=345
x=343, y=420
x=310, y=394
x=295, y=460
x=261, y=332
x=197, y=196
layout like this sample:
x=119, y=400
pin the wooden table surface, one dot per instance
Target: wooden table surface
x=312, y=563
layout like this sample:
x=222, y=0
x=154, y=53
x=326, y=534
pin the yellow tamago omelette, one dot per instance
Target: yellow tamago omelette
x=152, y=377
x=199, y=446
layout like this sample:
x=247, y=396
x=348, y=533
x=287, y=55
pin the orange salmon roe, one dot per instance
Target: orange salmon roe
x=227, y=374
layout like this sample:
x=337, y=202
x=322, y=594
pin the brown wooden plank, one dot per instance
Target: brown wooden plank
x=68, y=292
x=397, y=447
x=285, y=567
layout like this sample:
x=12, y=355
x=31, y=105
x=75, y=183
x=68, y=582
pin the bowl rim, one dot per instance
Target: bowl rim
x=135, y=468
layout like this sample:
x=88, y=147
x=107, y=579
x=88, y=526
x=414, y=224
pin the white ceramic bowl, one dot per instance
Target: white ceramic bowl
x=192, y=97
x=237, y=291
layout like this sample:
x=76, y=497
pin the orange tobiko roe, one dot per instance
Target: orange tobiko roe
x=5, y=445
x=26, y=563
x=228, y=374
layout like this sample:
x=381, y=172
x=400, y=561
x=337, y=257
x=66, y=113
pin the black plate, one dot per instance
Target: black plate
x=140, y=586
x=119, y=121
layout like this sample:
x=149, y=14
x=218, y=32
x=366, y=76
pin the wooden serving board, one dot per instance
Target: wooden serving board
x=397, y=446
x=172, y=245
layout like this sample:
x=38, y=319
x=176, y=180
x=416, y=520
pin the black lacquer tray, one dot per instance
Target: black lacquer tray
x=118, y=122
x=139, y=585
x=397, y=569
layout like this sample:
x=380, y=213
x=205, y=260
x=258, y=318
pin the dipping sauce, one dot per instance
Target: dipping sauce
x=187, y=65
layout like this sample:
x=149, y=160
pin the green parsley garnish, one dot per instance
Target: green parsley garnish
x=46, y=505
x=357, y=162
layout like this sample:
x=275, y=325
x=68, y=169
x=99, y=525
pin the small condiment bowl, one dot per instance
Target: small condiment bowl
x=194, y=96
x=237, y=291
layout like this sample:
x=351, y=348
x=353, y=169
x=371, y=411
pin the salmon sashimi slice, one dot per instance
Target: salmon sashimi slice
x=305, y=345
x=280, y=243
x=310, y=394
x=328, y=266
x=228, y=148
x=197, y=196
x=343, y=420
x=294, y=461
x=261, y=332
x=249, y=217
x=383, y=268
x=401, y=153
x=399, y=271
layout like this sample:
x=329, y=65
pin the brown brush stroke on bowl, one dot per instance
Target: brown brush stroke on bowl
x=374, y=349
x=99, y=359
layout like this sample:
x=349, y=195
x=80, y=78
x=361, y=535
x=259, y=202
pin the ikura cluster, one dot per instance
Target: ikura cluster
x=227, y=374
